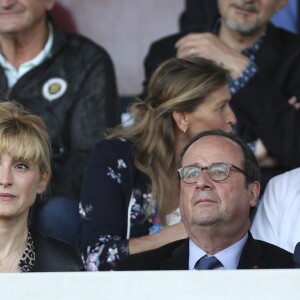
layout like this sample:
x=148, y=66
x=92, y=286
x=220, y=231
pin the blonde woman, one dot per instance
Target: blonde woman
x=24, y=173
x=130, y=193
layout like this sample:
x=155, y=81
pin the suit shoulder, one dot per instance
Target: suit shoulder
x=283, y=39
x=278, y=256
x=148, y=260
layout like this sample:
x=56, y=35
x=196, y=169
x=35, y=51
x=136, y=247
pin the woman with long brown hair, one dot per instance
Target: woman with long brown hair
x=130, y=192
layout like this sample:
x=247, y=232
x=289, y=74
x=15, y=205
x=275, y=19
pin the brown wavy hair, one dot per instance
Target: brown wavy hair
x=177, y=85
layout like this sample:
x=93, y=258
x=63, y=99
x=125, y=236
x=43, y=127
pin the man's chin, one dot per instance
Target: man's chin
x=205, y=221
x=242, y=28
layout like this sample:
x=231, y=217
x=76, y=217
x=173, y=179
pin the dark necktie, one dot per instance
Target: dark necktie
x=208, y=263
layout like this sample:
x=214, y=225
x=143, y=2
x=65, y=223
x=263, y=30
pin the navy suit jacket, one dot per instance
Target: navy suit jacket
x=175, y=256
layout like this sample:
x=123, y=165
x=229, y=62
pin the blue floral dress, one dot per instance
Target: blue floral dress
x=114, y=202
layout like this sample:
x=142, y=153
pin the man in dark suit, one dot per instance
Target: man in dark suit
x=219, y=187
x=264, y=63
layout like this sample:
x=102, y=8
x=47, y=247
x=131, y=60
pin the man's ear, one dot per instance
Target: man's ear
x=43, y=183
x=181, y=120
x=254, y=189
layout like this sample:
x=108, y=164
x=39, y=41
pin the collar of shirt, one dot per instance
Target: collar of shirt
x=13, y=75
x=229, y=257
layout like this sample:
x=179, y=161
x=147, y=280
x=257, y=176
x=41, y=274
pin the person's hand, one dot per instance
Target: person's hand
x=210, y=46
x=294, y=102
x=263, y=157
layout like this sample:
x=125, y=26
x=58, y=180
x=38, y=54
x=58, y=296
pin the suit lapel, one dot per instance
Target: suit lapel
x=252, y=255
x=179, y=258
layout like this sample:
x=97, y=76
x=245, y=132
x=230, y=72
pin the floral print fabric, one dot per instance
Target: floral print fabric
x=116, y=205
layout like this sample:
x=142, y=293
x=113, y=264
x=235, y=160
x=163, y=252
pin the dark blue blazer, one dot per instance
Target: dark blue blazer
x=175, y=256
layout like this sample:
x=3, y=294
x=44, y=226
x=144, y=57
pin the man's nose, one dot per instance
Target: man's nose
x=204, y=181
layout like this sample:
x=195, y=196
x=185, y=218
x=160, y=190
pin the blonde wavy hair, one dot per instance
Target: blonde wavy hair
x=177, y=85
x=24, y=136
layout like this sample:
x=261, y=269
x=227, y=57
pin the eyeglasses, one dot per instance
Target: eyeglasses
x=216, y=171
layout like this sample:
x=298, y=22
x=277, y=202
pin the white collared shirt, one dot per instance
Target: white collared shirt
x=13, y=75
x=229, y=257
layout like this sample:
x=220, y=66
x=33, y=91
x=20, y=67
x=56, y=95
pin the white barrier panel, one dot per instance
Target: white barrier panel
x=166, y=285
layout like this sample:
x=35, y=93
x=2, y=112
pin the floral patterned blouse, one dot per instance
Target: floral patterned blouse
x=114, y=200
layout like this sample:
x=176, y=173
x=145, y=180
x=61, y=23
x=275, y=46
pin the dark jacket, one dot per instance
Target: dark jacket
x=197, y=14
x=262, y=104
x=77, y=118
x=53, y=255
x=175, y=256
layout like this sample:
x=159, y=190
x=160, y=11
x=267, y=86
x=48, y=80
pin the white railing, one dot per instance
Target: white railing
x=157, y=285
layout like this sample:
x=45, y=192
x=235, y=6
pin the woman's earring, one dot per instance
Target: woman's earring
x=183, y=134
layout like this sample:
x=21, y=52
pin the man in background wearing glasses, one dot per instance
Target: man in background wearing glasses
x=219, y=181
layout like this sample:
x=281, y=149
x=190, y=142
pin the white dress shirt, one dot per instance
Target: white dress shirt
x=277, y=218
